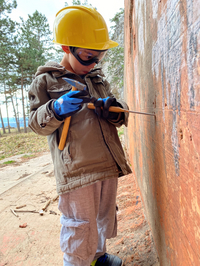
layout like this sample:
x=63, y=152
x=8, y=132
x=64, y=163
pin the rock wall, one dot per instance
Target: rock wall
x=162, y=76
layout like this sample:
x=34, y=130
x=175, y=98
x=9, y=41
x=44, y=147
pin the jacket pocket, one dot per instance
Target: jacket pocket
x=74, y=237
x=100, y=88
x=58, y=90
x=66, y=155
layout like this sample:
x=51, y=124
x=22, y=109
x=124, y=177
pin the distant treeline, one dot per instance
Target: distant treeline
x=12, y=122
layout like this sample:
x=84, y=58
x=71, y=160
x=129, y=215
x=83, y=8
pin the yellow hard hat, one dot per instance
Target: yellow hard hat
x=81, y=26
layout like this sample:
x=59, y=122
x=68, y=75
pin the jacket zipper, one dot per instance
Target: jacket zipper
x=109, y=148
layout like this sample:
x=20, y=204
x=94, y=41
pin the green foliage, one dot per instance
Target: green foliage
x=24, y=47
x=9, y=162
x=7, y=47
x=115, y=57
x=7, y=6
x=120, y=131
x=74, y=2
x=28, y=156
x=7, y=30
x=116, y=21
x=78, y=2
x=34, y=44
x=114, y=60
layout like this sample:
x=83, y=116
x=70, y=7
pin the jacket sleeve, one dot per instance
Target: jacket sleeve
x=123, y=117
x=42, y=119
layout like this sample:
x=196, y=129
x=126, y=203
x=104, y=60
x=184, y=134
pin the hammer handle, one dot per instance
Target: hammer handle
x=65, y=130
x=63, y=138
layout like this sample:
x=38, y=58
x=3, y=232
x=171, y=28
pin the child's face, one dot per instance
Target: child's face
x=73, y=65
x=78, y=68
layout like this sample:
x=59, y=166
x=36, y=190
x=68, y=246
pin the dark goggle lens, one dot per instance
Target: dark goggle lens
x=87, y=56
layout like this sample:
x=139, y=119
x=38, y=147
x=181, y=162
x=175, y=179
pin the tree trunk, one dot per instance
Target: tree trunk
x=23, y=107
x=6, y=100
x=2, y=123
x=15, y=113
x=7, y=115
x=27, y=106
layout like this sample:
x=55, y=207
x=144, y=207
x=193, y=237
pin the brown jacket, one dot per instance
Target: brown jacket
x=93, y=150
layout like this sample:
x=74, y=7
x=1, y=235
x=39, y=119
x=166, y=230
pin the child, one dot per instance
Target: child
x=88, y=168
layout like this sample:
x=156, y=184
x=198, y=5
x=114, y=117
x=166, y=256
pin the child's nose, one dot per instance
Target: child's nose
x=92, y=66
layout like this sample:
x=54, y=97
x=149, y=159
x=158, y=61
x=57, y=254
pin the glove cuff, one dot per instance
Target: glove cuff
x=59, y=117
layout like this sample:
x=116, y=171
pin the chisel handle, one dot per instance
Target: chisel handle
x=65, y=130
x=114, y=109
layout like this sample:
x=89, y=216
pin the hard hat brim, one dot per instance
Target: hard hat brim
x=104, y=46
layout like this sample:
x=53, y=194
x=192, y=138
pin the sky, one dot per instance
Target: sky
x=49, y=8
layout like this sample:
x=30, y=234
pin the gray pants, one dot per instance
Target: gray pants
x=88, y=219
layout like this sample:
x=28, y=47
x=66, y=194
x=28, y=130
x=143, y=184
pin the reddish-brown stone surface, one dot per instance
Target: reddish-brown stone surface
x=38, y=243
x=134, y=243
x=162, y=76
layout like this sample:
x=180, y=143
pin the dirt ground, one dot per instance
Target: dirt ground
x=28, y=238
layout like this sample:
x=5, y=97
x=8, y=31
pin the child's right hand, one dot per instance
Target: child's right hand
x=70, y=103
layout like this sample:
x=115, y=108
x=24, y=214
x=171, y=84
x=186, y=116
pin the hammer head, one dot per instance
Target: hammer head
x=78, y=85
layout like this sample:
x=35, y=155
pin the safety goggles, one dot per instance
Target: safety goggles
x=87, y=56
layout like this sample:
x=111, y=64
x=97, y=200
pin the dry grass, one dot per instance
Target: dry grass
x=22, y=143
x=29, y=144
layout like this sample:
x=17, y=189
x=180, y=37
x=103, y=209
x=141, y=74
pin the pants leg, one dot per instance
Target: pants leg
x=107, y=217
x=89, y=217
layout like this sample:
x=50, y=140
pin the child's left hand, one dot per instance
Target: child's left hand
x=102, y=106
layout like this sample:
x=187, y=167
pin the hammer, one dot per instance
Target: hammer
x=76, y=85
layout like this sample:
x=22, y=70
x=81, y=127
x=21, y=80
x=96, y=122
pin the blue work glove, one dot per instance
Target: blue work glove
x=70, y=103
x=105, y=103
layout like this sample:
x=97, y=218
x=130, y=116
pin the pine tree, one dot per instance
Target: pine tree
x=7, y=30
x=34, y=49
